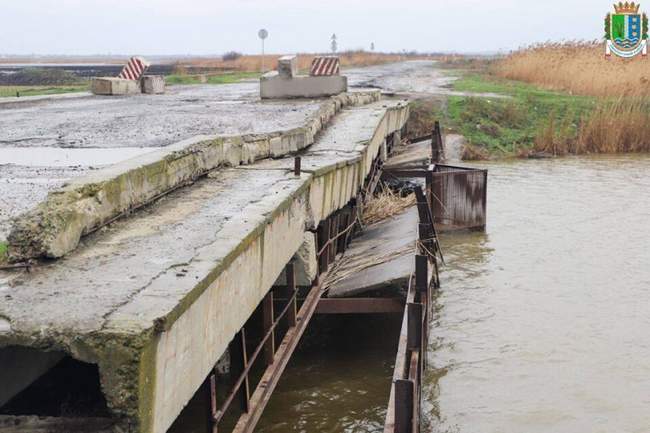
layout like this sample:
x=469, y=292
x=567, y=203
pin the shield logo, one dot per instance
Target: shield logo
x=626, y=31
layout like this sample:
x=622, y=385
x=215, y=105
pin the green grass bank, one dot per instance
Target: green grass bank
x=516, y=120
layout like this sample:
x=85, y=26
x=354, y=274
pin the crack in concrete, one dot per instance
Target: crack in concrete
x=107, y=316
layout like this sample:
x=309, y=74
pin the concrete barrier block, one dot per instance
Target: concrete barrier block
x=288, y=66
x=153, y=84
x=276, y=86
x=114, y=86
x=324, y=66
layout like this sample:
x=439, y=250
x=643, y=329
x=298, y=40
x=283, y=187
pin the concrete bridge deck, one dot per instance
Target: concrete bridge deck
x=48, y=143
x=154, y=299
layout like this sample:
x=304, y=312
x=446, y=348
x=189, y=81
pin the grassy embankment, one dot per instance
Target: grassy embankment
x=520, y=119
x=559, y=99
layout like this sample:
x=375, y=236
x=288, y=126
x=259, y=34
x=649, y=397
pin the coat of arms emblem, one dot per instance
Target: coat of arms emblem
x=626, y=31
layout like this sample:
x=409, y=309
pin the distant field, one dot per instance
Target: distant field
x=253, y=63
x=223, y=78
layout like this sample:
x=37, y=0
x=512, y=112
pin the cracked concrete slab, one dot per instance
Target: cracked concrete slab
x=53, y=228
x=39, y=136
x=155, y=298
x=133, y=280
x=148, y=120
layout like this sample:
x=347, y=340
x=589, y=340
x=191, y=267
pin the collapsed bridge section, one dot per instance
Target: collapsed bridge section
x=154, y=300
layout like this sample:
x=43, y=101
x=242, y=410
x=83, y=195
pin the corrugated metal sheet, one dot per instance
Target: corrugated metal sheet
x=459, y=197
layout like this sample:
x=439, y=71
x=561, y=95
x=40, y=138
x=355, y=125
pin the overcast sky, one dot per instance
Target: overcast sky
x=214, y=26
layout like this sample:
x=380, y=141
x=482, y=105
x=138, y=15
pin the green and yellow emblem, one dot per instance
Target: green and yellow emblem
x=626, y=31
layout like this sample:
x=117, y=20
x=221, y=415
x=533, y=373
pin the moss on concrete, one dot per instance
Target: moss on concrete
x=3, y=252
x=55, y=227
x=147, y=386
x=127, y=361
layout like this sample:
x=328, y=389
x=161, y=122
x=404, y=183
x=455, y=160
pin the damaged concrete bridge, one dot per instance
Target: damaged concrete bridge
x=138, y=276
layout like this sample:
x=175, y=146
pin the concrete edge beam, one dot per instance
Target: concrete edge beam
x=320, y=196
x=54, y=227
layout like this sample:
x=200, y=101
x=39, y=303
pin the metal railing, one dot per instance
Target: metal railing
x=403, y=414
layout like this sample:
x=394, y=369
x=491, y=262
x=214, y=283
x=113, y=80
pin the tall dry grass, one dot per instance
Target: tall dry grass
x=577, y=67
x=384, y=205
x=617, y=126
x=620, y=121
x=614, y=126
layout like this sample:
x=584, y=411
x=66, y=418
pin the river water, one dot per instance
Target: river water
x=339, y=379
x=543, y=322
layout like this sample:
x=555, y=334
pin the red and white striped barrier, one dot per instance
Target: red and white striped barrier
x=134, y=69
x=325, y=66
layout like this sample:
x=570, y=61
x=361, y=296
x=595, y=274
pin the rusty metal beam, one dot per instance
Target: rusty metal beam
x=421, y=139
x=414, y=315
x=415, y=375
x=404, y=396
x=421, y=273
x=290, y=273
x=323, y=242
x=271, y=377
x=267, y=327
x=239, y=365
x=400, y=364
x=360, y=306
x=411, y=173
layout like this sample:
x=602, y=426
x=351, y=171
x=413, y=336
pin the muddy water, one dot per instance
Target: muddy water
x=543, y=323
x=339, y=380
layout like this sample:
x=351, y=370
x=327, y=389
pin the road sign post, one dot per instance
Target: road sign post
x=263, y=34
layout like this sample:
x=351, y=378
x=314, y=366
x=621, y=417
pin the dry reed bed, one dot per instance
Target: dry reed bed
x=621, y=120
x=577, y=67
x=620, y=126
